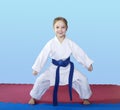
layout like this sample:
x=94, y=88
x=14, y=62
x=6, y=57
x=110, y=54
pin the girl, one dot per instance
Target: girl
x=61, y=70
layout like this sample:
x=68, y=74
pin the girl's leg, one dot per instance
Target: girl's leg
x=38, y=90
x=82, y=87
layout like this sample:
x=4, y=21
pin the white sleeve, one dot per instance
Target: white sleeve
x=80, y=55
x=42, y=58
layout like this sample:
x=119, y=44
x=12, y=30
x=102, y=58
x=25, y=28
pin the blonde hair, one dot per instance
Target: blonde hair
x=62, y=19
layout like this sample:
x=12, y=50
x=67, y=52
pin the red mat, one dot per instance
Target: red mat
x=19, y=93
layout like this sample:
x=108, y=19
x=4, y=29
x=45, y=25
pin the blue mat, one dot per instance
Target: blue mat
x=17, y=106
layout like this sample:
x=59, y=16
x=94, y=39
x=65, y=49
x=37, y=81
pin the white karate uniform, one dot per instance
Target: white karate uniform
x=56, y=50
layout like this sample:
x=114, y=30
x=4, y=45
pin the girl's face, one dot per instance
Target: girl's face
x=60, y=28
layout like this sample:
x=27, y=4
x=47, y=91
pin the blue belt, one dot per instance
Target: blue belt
x=61, y=63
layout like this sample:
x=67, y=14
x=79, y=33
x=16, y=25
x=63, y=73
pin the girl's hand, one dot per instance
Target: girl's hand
x=90, y=68
x=34, y=72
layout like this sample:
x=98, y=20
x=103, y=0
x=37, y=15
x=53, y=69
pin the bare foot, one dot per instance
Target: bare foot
x=86, y=102
x=31, y=101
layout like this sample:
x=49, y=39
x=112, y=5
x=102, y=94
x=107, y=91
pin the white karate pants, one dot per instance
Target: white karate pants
x=80, y=85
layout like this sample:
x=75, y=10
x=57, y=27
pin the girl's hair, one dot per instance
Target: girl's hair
x=62, y=19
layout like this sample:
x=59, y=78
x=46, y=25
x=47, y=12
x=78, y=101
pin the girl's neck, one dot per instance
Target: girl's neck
x=61, y=39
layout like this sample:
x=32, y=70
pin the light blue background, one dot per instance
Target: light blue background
x=26, y=26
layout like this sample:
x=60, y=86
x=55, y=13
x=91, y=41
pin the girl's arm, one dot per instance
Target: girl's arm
x=41, y=59
x=81, y=56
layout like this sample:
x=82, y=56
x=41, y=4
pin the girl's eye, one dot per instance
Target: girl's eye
x=57, y=27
